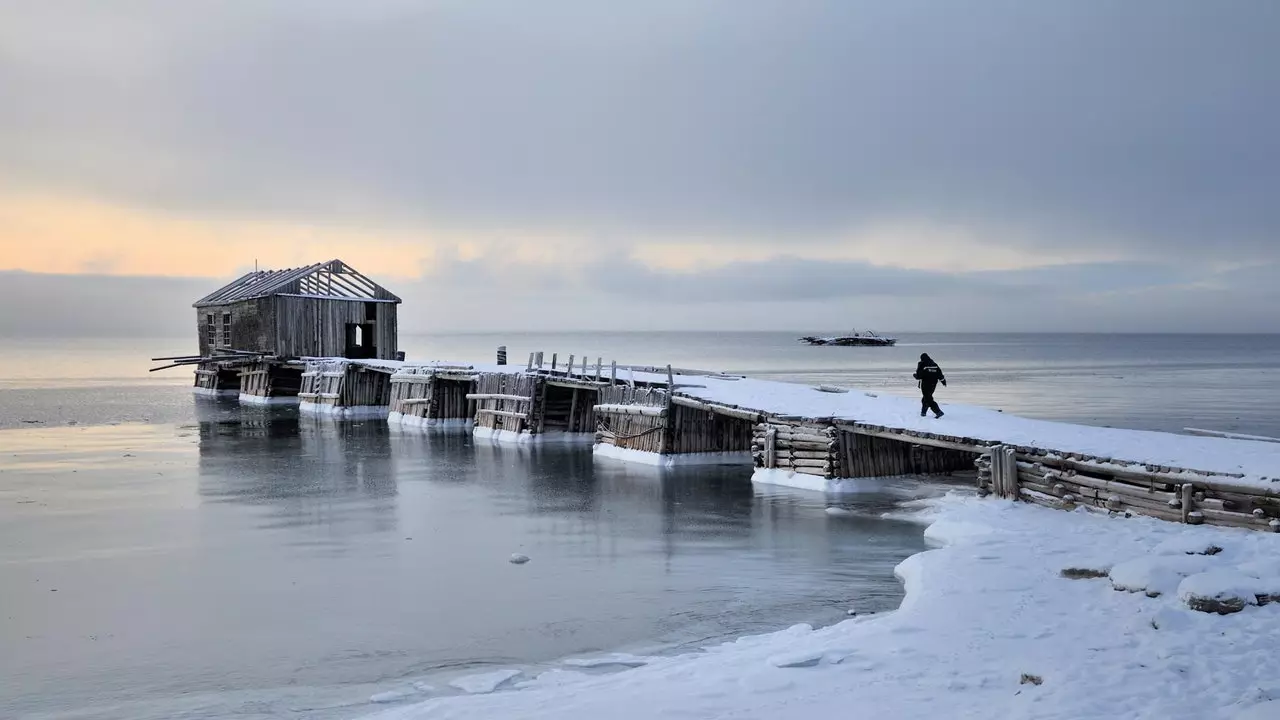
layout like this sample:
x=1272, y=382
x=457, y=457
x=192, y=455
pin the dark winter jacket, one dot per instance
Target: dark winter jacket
x=928, y=372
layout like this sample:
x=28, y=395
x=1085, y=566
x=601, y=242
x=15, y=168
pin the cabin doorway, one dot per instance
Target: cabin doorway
x=360, y=341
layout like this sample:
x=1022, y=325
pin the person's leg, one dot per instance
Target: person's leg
x=926, y=399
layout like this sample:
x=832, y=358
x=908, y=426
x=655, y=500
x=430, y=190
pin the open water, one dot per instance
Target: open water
x=166, y=556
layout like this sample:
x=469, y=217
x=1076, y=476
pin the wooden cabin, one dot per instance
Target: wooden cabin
x=323, y=310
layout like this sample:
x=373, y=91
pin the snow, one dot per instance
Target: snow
x=1158, y=574
x=484, y=682
x=508, y=437
x=343, y=412
x=640, y=457
x=982, y=610
x=260, y=400
x=1223, y=584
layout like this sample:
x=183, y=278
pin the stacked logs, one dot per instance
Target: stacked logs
x=1068, y=481
x=806, y=448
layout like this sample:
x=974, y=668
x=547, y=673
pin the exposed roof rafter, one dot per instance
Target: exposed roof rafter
x=333, y=279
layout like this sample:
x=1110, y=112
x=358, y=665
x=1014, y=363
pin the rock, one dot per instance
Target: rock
x=1220, y=591
x=518, y=559
x=1075, y=573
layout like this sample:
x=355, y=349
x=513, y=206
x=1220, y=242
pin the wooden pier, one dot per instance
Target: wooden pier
x=326, y=335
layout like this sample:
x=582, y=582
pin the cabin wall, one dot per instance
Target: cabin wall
x=317, y=327
x=252, y=326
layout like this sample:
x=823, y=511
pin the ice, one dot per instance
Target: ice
x=484, y=682
x=612, y=659
x=391, y=696
x=640, y=457
x=982, y=610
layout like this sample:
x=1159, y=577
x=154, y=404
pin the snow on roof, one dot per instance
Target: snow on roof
x=332, y=279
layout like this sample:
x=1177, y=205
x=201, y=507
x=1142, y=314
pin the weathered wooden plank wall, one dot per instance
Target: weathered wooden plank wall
x=252, y=326
x=508, y=402
x=317, y=327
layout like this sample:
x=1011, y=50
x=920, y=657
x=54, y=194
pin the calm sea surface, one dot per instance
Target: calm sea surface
x=166, y=556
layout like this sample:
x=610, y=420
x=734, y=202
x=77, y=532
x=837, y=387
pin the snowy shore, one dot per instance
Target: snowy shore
x=989, y=628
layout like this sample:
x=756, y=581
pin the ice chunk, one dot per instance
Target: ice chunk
x=484, y=682
x=519, y=559
x=611, y=660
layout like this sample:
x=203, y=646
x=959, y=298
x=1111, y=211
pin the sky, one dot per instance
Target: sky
x=902, y=165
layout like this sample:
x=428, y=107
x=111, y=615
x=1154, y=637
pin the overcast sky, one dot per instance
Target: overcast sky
x=741, y=164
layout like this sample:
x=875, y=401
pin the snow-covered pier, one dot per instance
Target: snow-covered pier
x=816, y=438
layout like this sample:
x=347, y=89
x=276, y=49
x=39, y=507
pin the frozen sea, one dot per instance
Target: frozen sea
x=166, y=556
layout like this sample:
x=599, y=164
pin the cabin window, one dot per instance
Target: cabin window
x=210, y=331
x=226, y=329
x=360, y=341
x=371, y=312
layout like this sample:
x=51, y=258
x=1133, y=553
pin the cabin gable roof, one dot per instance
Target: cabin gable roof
x=334, y=280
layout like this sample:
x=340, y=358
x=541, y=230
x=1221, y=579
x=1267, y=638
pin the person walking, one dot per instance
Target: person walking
x=929, y=375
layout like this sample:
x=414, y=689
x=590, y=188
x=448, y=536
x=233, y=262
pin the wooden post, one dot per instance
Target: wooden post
x=671, y=383
x=770, y=447
x=1011, y=472
x=502, y=354
x=613, y=373
x=553, y=360
x=1187, y=492
x=529, y=367
x=539, y=362
x=599, y=362
x=569, y=368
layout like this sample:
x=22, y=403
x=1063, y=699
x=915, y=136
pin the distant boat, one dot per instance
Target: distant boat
x=855, y=338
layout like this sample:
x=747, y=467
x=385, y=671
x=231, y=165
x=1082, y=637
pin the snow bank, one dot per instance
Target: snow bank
x=982, y=611
x=484, y=682
x=640, y=457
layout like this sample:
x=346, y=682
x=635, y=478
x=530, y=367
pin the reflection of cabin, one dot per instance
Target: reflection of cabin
x=322, y=310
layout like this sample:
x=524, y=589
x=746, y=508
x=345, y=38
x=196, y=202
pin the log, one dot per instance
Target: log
x=1193, y=431
x=716, y=408
x=1114, y=487
x=499, y=396
x=502, y=413
x=915, y=439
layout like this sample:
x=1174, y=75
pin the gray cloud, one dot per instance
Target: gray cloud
x=1148, y=122
x=792, y=295
x=1146, y=128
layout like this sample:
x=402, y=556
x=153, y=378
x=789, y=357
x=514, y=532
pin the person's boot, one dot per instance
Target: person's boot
x=923, y=412
x=939, y=414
